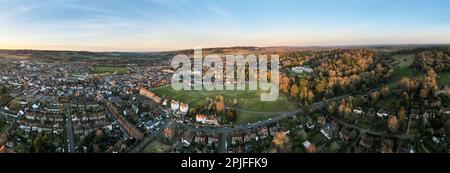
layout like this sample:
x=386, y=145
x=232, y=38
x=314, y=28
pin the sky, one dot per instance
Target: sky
x=156, y=25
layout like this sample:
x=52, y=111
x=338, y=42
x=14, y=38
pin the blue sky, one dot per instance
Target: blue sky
x=153, y=25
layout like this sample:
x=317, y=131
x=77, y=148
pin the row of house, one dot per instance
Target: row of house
x=200, y=138
x=130, y=129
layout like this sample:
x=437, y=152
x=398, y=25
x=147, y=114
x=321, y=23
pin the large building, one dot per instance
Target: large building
x=150, y=95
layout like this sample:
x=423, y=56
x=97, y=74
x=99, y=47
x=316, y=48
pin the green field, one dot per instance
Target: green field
x=104, y=69
x=247, y=100
x=156, y=147
x=404, y=60
x=404, y=69
x=444, y=79
x=404, y=72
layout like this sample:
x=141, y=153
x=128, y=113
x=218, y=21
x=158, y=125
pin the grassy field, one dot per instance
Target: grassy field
x=444, y=79
x=404, y=69
x=247, y=100
x=156, y=147
x=318, y=139
x=104, y=69
x=405, y=72
x=404, y=60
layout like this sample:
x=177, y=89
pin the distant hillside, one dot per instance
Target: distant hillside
x=48, y=55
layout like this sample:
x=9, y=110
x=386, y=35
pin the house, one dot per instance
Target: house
x=302, y=69
x=263, y=132
x=236, y=138
x=329, y=130
x=186, y=139
x=204, y=119
x=358, y=110
x=150, y=95
x=174, y=105
x=213, y=139
x=387, y=146
x=344, y=134
x=382, y=113
x=200, y=138
x=309, y=147
x=184, y=108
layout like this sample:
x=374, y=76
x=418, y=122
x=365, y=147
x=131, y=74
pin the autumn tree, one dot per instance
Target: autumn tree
x=375, y=96
x=408, y=84
x=331, y=107
x=3, y=139
x=447, y=91
x=385, y=91
x=320, y=86
x=280, y=140
x=294, y=91
x=423, y=93
x=220, y=105
x=393, y=123
x=401, y=115
x=310, y=97
x=284, y=84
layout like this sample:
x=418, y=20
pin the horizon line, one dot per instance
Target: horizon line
x=241, y=46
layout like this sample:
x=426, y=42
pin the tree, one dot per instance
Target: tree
x=331, y=108
x=320, y=86
x=423, y=93
x=405, y=98
x=3, y=138
x=231, y=115
x=310, y=97
x=385, y=91
x=42, y=144
x=408, y=84
x=393, y=124
x=294, y=91
x=342, y=107
x=401, y=115
x=284, y=84
x=280, y=140
x=375, y=96
x=447, y=91
x=220, y=105
x=379, y=68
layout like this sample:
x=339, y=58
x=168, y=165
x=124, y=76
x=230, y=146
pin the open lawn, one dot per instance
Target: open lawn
x=318, y=139
x=248, y=101
x=404, y=60
x=404, y=69
x=404, y=72
x=444, y=79
x=156, y=147
x=401, y=73
x=104, y=69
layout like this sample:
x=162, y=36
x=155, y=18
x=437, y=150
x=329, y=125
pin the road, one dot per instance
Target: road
x=147, y=139
x=371, y=132
x=69, y=130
